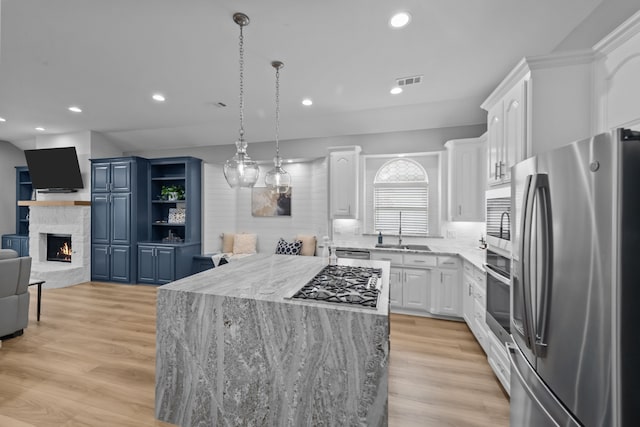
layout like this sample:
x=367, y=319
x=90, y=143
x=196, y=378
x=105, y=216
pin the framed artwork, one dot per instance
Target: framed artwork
x=264, y=202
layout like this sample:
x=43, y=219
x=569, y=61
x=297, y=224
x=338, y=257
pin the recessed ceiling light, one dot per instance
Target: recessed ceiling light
x=396, y=90
x=40, y=129
x=75, y=109
x=2, y=119
x=158, y=97
x=307, y=102
x=400, y=19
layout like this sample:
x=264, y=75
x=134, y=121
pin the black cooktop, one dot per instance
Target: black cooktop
x=344, y=284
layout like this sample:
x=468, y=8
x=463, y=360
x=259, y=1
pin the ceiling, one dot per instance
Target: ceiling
x=109, y=57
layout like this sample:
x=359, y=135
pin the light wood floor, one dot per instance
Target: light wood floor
x=90, y=361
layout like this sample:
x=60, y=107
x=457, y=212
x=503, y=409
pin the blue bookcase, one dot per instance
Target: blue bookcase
x=174, y=225
x=19, y=241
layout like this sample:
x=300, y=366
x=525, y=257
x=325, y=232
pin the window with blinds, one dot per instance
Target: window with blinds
x=401, y=186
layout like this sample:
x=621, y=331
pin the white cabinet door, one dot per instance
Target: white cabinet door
x=495, y=137
x=467, y=179
x=343, y=178
x=395, y=287
x=468, y=301
x=514, y=130
x=446, y=294
x=416, y=289
x=506, y=133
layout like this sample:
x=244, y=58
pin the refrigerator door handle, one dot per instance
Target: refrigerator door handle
x=544, y=204
x=525, y=254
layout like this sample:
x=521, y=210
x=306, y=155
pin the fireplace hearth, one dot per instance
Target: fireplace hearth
x=59, y=247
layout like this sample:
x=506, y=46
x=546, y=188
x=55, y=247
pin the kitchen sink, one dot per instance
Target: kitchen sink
x=403, y=246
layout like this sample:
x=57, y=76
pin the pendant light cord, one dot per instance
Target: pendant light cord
x=241, y=84
x=278, y=112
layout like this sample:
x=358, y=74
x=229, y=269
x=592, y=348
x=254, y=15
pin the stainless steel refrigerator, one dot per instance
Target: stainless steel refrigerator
x=575, y=297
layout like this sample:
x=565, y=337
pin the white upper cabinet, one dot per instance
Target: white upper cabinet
x=506, y=133
x=545, y=102
x=467, y=178
x=344, y=169
x=617, y=84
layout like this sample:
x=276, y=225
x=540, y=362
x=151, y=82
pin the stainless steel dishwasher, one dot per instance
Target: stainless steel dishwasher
x=353, y=253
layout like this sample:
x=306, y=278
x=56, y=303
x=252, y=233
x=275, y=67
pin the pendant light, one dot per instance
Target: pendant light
x=240, y=170
x=277, y=179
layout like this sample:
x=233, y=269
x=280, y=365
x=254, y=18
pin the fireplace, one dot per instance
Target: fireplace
x=59, y=247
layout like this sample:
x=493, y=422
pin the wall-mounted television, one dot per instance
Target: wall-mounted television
x=54, y=169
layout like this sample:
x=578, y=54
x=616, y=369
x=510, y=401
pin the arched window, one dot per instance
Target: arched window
x=401, y=189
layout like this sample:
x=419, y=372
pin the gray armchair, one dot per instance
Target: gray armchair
x=14, y=292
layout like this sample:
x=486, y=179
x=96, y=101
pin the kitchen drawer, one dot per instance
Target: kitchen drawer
x=448, y=262
x=415, y=260
x=394, y=258
x=479, y=294
x=468, y=268
x=499, y=361
x=479, y=276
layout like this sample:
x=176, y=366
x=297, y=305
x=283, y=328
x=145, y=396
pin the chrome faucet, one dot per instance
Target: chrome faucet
x=508, y=222
x=400, y=230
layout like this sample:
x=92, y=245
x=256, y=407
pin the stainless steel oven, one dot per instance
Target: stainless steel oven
x=498, y=217
x=498, y=268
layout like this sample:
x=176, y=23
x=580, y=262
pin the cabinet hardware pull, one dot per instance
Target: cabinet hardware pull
x=495, y=170
x=459, y=209
x=469, y=289
x=419, y=260
x=501, y=165
x=441, y=277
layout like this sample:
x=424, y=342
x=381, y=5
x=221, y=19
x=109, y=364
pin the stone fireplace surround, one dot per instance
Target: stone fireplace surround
x=60, y=217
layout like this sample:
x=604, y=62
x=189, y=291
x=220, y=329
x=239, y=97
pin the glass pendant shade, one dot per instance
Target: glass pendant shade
x=278, y=179
x=241, y=170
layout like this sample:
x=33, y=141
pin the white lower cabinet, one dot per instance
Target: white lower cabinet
x=423, y=284
x=415, y=291
x=499, y=361
x=474, y=303
x=395, y=287
x=445, y=293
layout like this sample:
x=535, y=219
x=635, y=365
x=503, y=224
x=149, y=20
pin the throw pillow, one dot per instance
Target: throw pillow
x=286, y=248
x=308, y=244
x=244, y=243
x=227, y=242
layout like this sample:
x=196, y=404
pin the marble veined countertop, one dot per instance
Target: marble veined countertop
x=269, y=277
x=474, y=255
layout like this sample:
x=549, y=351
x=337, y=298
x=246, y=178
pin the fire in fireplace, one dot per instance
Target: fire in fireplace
x=59, y=247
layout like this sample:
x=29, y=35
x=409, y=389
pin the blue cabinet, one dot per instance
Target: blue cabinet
x=16, y=242
x=119, y=212
x=164, y=263
x=156, y=264
x=19, y=241
x=109, y=175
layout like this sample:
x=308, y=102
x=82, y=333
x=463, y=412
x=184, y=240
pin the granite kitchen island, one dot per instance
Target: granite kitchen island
x=233, y=349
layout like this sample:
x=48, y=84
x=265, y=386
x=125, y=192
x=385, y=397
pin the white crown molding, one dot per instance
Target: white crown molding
x=620, y=35
x=533, y=63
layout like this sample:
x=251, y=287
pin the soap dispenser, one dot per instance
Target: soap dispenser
x=379, y=237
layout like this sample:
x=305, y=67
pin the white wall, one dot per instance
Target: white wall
x=10, y=156
x=228, y=210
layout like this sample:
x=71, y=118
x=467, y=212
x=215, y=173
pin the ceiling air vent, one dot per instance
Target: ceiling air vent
x=406, y=81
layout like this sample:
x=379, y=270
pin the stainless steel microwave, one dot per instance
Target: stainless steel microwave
x=498, y=217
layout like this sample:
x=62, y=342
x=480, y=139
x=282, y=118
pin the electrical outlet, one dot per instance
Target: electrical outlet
x=451, y=234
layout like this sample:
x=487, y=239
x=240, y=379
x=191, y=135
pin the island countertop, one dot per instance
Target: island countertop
x=232, y=349
x=275, y=278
